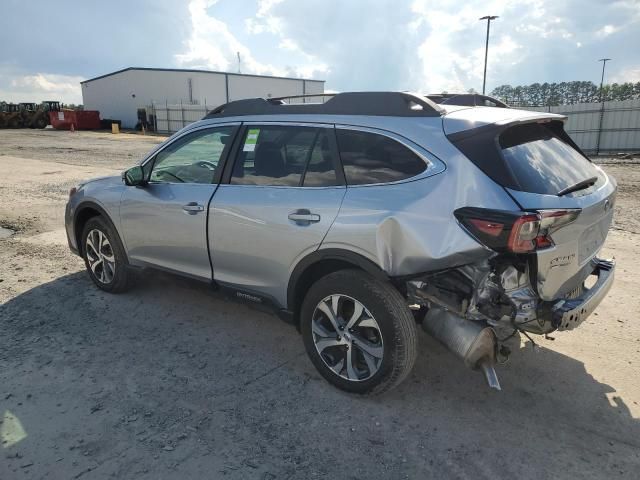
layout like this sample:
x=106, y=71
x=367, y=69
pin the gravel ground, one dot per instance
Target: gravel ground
x=171, y=380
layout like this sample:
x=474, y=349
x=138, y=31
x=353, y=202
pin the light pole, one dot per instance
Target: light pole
x=604, y=63
x=488, y=18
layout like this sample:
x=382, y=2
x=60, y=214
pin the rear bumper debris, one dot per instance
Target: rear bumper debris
x=567, y=314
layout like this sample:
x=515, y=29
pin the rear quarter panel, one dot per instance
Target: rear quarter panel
x=408, y=228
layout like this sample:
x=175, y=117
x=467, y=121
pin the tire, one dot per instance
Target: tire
x=385, y=326
x=108, y=269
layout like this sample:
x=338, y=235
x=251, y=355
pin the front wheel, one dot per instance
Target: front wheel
x=104, y=256
x=358, y=332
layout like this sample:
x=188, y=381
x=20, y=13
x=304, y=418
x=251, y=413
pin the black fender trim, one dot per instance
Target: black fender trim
x=88, y=204
x=319, y=256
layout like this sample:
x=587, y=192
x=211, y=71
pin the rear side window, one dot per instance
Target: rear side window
x=285, y=156
x=369, y=158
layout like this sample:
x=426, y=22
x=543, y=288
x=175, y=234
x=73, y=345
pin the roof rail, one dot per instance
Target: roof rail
x=395, y=104
x=466, y=100
x=281, y=100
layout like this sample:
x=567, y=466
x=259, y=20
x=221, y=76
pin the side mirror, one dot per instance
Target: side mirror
x=134, y=176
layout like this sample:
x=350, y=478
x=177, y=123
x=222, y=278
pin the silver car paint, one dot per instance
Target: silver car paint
x=105, y=192
x=566, y=264
x=405, y=228
x=409, y=228
x=254, y=245
x=158, y=231
x=473, y=117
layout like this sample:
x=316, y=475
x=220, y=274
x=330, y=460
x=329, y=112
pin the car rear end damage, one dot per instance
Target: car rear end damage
x=543, y=274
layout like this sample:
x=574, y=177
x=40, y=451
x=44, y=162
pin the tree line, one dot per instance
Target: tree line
x=564, y=93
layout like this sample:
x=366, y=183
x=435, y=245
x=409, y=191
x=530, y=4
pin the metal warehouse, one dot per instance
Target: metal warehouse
x=120, y=94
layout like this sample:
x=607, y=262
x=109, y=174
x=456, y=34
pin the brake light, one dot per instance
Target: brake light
x=524, y=232
x=516, y=232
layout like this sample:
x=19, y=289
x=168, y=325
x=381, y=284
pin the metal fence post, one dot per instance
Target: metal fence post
x=600, y=127
x=182, y=113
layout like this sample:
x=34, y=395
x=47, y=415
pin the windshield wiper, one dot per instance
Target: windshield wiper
x=578, y=186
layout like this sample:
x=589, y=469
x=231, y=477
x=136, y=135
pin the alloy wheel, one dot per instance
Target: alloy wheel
x=100, y=256
x=347, y=337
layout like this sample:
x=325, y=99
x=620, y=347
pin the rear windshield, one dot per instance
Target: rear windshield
x=534, y=157
x=541, y=162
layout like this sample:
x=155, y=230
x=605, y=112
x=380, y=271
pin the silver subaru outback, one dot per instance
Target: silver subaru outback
x=359, y=218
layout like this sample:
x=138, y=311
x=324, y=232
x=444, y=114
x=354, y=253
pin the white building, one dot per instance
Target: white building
x=118, y=95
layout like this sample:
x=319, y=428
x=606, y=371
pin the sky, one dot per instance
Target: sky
x=48, y=47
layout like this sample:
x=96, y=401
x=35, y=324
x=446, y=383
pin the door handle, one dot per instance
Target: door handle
x=303, y=216
x=192, y=208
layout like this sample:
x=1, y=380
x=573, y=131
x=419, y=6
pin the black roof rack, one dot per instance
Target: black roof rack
x=466, y=100
x=395, y=104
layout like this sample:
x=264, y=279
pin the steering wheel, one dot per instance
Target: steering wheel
x=164, y=172
x=206, y=164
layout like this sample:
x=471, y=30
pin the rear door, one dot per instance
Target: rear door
x=282, y=195
x=164, y=222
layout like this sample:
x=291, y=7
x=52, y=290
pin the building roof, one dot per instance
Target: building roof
x=196, y=71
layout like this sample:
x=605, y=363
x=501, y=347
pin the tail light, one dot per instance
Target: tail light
x=516, y=232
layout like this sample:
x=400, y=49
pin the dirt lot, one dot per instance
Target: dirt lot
x=172, y=381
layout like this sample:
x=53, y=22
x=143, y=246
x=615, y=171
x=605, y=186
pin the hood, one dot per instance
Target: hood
x=102, y=181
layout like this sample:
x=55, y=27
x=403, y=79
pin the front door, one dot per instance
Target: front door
x=282, y=197
x=164, y=222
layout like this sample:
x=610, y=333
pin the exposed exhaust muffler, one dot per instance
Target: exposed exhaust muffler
x=474, y=342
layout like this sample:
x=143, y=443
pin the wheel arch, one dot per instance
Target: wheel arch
x=83, y=213
x=321, y=263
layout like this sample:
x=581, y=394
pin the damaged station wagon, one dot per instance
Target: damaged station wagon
x=363, y=217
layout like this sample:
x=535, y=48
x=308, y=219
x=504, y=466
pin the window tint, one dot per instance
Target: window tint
x=541, y=162
x=192, y=159
x=284, y=156
x=372, y=158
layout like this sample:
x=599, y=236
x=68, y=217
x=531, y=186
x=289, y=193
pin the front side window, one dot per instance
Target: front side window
x=290, y=156
x=193, y=158
x=369, y=158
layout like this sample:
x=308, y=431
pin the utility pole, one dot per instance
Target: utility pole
x=488, y=18
x=604, y=64
x=239, y=69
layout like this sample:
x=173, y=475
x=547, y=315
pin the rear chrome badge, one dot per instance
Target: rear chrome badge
x=562, y=261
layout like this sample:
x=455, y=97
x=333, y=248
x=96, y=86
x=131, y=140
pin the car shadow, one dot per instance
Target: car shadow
x=174, y=354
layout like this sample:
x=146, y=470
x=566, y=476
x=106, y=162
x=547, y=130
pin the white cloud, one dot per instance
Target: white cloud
x=607, y=30
x=631, y=74
x=17, y=88
x=212, y=45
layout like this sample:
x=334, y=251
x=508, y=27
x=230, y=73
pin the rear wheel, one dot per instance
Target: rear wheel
x=358, y=332
x=104, y=256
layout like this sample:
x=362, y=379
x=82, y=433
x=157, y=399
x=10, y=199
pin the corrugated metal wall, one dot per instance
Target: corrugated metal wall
x=120, y=94
x=620, y=125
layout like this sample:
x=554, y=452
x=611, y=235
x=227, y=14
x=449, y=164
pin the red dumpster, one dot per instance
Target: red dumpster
x=81, y=119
